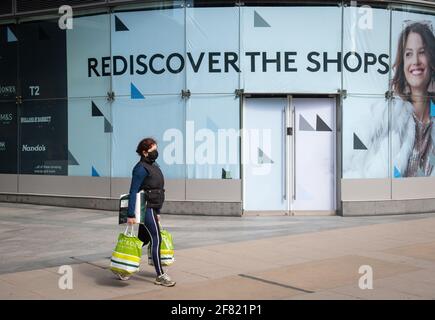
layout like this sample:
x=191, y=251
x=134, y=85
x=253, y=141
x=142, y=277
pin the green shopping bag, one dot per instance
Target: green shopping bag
x=127, y=254
x=166, y=249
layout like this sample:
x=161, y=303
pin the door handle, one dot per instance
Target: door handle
x=294, y=153
x=284, y=153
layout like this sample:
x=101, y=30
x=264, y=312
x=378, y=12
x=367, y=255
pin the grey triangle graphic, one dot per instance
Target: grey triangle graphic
x=95, y=111
x=107, y=126
x=119, y=25
x=259, y=22
x=71, y=160
x=304, y=125
x=321, y=125
x=357, y=143
x=263, y=158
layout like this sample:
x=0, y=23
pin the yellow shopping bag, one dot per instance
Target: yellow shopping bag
x=166, y=249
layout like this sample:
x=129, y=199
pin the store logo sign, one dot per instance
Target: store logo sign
x=36, y=119
x=6, y=117
x=8, y=90
x=37, y=148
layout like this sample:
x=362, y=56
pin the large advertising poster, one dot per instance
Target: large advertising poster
x=291, y=49
x=147, y=57
x=413, y=109
x=42, y=60
x=43, y=122
x=89, y=111
x=8, y=107
x=394, y=137
x=43, y=147
x=88, y=40
x=8, y=62
x=213, y=44
x=89, y=137
x=8, y=137
x=148, y=49
x=366, y=46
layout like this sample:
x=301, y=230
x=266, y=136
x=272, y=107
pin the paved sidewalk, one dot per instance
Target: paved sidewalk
x=220, y=257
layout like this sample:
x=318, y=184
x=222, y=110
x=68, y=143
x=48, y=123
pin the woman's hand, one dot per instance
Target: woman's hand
x=131, y=220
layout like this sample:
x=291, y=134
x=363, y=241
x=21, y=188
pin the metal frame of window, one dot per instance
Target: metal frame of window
x=52, y=6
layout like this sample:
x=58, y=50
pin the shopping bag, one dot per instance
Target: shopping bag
x=139, y=210
x=127, y=254
x=166, y=249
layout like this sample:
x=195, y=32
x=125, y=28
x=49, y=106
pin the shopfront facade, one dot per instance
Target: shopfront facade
x=279, y=107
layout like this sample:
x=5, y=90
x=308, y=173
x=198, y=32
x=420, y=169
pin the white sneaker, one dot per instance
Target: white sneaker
x=164, y=280
x=123, y=278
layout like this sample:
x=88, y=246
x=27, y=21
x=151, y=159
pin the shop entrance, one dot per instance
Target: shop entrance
x=288, y=155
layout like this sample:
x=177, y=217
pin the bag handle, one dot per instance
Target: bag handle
x=131, y=232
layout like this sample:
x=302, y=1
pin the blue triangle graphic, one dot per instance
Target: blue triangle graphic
x=432, y=108
x=135, y=93
x=94, y=172
x=11, y=36
x=397, y=173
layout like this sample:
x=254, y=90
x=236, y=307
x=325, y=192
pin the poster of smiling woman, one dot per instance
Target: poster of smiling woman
x=413, y=131
x=397, y=136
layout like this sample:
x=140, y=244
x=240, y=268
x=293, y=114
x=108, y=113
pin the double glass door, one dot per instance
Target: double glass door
x=289, y=155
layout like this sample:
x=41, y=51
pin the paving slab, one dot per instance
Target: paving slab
x=375, y=294
x=330, y=273
x=423, y=251
x=232, y=288
x=272, y=257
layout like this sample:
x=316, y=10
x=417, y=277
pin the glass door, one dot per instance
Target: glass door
x=265, y=160
x=313, y=153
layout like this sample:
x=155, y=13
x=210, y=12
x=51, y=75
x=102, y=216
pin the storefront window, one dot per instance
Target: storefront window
x=148, y=52
x=412, y=84
x=366, y=140
x=8, y=106
x=90, y=123
x=212, y=137
x=158, y=116
x=76, y=102
x=366, y=44
x=291, y=49
x=213, y=56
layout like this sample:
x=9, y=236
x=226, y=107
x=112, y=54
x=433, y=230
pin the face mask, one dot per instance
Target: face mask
x=153, y=155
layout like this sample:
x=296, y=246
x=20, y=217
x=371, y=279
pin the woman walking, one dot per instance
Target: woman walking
x=147, y=176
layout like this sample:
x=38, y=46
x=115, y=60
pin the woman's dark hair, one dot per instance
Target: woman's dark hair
x=145, y=145
x=399, y=81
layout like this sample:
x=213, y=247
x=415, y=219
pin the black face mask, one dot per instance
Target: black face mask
x=152, y=156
